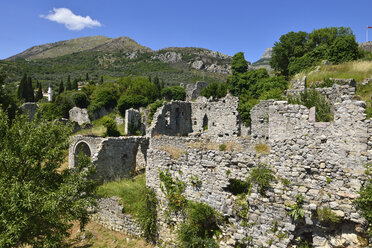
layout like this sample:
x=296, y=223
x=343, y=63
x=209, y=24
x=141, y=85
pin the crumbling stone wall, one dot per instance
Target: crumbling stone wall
x=216, y=118
x=260, y=120
x=208, y=117
x=110, y=215
x=323, y=162
x=132, y=118
x=114, y=157
x=173, y=119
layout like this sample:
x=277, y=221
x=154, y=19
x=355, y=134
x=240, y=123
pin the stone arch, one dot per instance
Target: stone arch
x=84, y=147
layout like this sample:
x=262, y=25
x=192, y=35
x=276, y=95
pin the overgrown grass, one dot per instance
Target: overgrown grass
x=129, y=190
x=98, y=128
x=262, y=149
x=359, y=70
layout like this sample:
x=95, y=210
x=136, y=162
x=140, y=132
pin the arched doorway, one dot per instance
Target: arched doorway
x=81, y=147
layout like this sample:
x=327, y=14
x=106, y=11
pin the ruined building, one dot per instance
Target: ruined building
x=322, y=162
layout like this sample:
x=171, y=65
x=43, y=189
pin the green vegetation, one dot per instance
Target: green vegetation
x=262, y=176
x=110, y=125
x=297, y=212
x=252, y=86
x=215, y=90
x=173, y=189
x=138, y=201
x=174, y=93
x=153, y=108
x=364, y=202
x=237, y=187
x=312, y=98
x=38, y=201
x=297, y=51
x=326, y=215
x=199, y=227
x=222, y=147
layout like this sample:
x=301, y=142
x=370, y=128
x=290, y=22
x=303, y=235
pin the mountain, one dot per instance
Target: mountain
x=264, y=61
x=122, y=56
x=93, y=43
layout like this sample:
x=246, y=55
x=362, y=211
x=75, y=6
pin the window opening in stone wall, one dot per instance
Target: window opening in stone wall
x=205, y=122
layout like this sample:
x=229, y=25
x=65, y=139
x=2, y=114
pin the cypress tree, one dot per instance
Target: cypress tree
x=22, y=87
x=61, y=87
x=29, y=91
x=87, y=77
x=75, y=84
x=39, y=94
x=101, y=79
x=68, y=85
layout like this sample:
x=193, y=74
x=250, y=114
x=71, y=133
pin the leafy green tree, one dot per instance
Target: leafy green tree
x=343, y=49
x=239, y=64
x=291, y=45
x=38, y=200
x=326, y=36
x=80, y=99
x=104, y=95
x=127, y=101
x=111, y=127
x=174, y=93
x=215, y=90
x=8, y=102
x=139, y=86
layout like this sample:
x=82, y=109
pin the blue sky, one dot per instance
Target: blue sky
x=224, y=26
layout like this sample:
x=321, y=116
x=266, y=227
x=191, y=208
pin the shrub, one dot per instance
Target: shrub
x=131, y=101
x=199, y=227
x=50, y=111
x=153, y=108
x=147, y=216
x=173, y=189
x=80, y=99
x=325, y=215
x=296, y=210
x=262, y=176
x=111, y=128
x=364, y=202
x=312, y=98
x=174, y=93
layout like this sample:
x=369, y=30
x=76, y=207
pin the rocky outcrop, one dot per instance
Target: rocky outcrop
x=79, y=115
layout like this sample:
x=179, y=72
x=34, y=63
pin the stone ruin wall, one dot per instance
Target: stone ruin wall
x=114, y=158
x=323, y=162
x=202, y=117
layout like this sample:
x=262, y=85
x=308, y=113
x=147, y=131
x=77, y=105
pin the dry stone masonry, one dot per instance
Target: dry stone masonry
x=203, y=141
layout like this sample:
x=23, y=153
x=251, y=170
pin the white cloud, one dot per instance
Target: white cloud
x=70, y=20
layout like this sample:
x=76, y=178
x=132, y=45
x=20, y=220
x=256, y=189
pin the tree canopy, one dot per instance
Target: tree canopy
x=296, y=51
x=38, y=201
